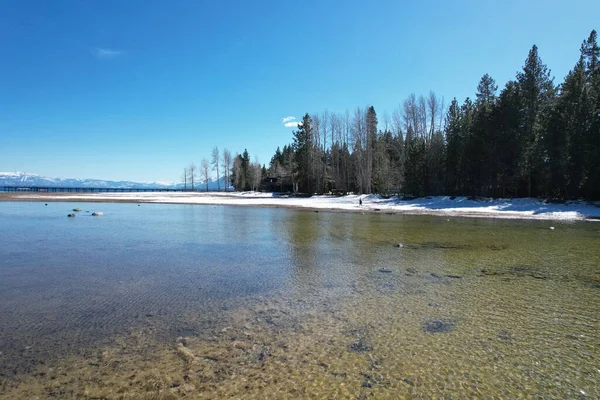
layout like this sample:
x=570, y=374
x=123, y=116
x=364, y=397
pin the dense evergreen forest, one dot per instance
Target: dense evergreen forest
x=531, y=139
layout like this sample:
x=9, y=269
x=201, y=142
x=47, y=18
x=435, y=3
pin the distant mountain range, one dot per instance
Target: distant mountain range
x=26, y=179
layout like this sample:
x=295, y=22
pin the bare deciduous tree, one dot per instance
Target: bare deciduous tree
x=215, y=164
x=237, y=173
x=359, y=139
x=205, y=173
x=226, y=165
x=325, y=125
x=255, y=174
x=433, y=106
x=192, y=174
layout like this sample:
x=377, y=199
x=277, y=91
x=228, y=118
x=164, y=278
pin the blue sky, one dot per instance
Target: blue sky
x=137, y=90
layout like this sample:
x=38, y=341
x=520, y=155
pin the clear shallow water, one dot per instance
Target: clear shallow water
x=173, y=300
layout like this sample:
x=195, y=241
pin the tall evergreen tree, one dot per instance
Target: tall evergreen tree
x=414, y=176
x=454, y=148
x=566, y=134
x=467, y=111
x=481, y=144
x=536, y=88
x=371, y=120
x=245, y=171
x=507, y=122
x=303, y=149
x=436, y=162
x=590, y=52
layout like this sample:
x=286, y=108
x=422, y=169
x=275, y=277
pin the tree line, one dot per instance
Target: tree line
x=533, y=138
x=193, y=176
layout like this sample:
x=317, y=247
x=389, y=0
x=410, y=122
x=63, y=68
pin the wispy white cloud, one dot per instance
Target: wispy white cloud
x=290, y=122
x=105, y=54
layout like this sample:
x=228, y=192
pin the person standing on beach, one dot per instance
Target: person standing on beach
x=359, y=202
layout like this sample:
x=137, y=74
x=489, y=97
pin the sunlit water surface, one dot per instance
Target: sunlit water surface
x=169, y=301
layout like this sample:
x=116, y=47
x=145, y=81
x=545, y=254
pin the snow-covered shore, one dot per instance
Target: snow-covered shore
x=437, y=205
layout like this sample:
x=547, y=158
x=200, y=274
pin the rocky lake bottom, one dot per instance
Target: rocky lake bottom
x=187, y=301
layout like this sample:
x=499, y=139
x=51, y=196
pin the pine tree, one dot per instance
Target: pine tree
x=454, y=146
x=436, y=162
x=536, y=88
x=381, y=182
x=303, y=152
x=590, y=52
x=414, y=176
x=371, y=126
x=241, y=177
x=566, y=134
x=481, y=144
x=467, y=114
x=507, y=122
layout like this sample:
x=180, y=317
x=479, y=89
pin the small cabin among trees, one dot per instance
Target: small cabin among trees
x=282, y=184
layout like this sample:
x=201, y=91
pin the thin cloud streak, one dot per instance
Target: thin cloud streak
x=105, y=54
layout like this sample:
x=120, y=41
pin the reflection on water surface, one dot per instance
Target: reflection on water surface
x=168, y=301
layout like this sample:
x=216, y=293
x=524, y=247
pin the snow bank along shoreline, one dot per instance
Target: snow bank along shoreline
x=437, y=205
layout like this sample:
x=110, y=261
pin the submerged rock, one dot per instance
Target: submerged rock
x=98, y=214
x=186, y=354
x=517, y=271
x=438, y=245
x=399, y=245
x=593, y=282
x=385, y=270
x=505, y=335
x=437, y=326
x=77, y=209
x=71, y=215
x=360, y=346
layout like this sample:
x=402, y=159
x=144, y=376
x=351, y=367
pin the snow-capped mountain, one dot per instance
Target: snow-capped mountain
x=26, y=179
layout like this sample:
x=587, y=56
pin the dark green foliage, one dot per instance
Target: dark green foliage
x=304, y=154
x=591, y=57
x=506, y=124
x=414, y=174
x=454, y=149
x=537, y=91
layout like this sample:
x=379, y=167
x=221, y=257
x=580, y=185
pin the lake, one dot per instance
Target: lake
x=167, y=301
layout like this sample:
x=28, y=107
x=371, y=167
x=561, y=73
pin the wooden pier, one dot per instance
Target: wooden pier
x=57, y=189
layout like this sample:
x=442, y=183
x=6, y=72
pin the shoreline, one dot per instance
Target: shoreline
x=442, y=206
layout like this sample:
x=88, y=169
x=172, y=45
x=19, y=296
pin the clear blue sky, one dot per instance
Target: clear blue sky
x=136, y=90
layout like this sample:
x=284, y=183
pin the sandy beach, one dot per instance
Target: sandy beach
x=437, y=205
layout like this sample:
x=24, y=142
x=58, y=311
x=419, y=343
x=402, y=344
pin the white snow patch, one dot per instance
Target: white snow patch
x=438, y=205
